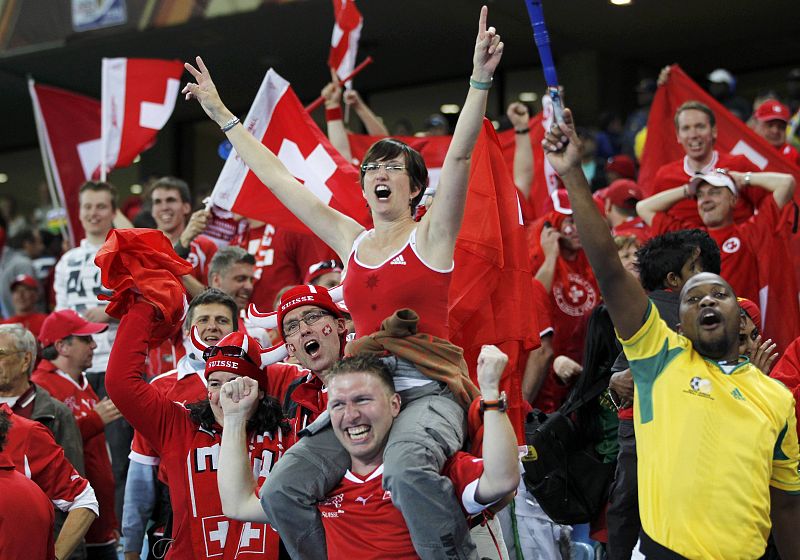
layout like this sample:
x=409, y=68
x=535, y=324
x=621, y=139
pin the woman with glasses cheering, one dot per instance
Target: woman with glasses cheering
x=399, y=263
x=188, y=438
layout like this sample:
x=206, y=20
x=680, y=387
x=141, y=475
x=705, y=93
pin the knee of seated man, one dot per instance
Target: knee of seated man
x=407, y=460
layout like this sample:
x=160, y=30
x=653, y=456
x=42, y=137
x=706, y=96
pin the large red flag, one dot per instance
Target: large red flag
x=434, y=148
x=344, y=40
x=279, y=121
x=491, y=295
x=138, y=97
x=779, y=295
x=68, y=126
x=733, y=135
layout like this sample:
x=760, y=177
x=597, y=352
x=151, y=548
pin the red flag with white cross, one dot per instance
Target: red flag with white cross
x=279, y=121
x=344, y=40
x=138, y=97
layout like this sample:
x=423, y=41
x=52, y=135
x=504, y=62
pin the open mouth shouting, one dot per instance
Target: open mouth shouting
x=382, y=192
x=312, y=348
x=709, y=319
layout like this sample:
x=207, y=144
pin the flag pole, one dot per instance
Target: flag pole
x=542, y=40
x=48, y=172
x=357, y=70
x=103, y=119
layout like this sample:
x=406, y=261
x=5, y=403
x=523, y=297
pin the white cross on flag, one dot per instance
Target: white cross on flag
x=344, y=41
x=68, y=126
x=279, y=121
x=138, y=97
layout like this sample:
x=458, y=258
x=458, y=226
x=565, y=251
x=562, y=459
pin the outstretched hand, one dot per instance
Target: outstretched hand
x=332, y=92
x=488, y=50
x=762, y=354
x=239, y=398
x=562, y=146
x=205, y=91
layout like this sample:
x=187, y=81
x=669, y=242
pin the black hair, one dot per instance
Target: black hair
x=268, y=416
x=389, y=148
x=214, y=295
x=5, y=425
x=25, y=235
x=600, y=350
x=363, y=363
x=669, y=252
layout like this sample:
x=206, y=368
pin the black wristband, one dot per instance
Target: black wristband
x=525, y=130
x=182, y=251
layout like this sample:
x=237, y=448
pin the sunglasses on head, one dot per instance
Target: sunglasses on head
x=227, y=351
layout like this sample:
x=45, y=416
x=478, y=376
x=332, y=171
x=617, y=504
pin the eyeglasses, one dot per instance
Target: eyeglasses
x=227, y=351
x=309, y=319
x=391, y=168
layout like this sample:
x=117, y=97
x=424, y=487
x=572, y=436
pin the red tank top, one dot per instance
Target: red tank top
x=404, y=280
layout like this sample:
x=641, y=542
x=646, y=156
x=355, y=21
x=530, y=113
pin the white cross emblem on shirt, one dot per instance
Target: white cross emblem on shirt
x=575, y=293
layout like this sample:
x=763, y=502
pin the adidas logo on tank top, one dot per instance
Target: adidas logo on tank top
x=398, y=260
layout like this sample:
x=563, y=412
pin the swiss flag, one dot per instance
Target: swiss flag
x=491, y=294
x=68, y=125
x=138, y=97
x=779, y=297
x=344, y=41
x=279, y=121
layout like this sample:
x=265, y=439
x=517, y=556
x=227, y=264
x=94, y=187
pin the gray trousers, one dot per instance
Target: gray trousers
x=428, y=430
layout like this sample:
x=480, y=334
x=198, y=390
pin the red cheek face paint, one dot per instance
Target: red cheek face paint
x=291, y=348
x=326, y=330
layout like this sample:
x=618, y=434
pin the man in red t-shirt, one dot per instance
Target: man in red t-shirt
x=771, y=119
x=696, y=129
x=715, y=195
x=562, y=267
x=359, y=518
x=24, y=297
x=68, y=349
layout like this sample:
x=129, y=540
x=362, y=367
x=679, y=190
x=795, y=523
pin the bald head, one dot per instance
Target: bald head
x=705, y=278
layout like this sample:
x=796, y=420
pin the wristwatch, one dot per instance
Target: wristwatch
x=500, y=405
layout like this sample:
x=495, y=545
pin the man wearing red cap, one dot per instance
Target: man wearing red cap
x=24, y=297
x=621, y=197
x=715, y=196
x=68, y=349
x=771, y=119
x=190, y=435
x=696, y=130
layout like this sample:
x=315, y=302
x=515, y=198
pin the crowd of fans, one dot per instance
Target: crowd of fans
x=121, y=428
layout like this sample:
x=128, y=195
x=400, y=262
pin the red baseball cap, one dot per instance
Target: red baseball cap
x=302, y=295
x=624, y=193
x=772, y=110
x=623, y=165
x=237, y=353
x=25, y=280
x=752, y=311
x=61, y=324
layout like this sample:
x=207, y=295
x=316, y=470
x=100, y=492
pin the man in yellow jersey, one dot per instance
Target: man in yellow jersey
x=717, y=446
